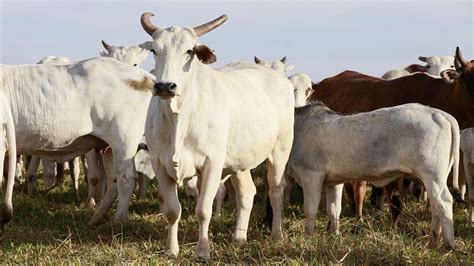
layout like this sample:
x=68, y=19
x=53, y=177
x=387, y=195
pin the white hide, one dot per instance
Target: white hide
x=330, y=149
x=211, y=124
x=7, y=141
x=54, y=60
x=63, y=111
x=132, y=56
x=434, y=64
x=467, y=148
x=302, y=88
x=277, y=65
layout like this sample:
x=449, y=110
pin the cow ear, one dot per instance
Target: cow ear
x=288, y=68
x=422, y=58
x=146, y=45
x=449, y=75
x=205, y=54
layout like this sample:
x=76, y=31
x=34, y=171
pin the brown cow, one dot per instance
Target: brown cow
x=350, y=92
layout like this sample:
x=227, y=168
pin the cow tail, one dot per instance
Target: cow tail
x=11, y=142
x=455, y=150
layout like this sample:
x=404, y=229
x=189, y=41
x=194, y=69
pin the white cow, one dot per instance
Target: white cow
x=434, y=66
x=278, y=65
x=467, y=148
x=7, y=141
x=380, y=146
x=63, y=111
x=208, y=122
x=134, y=55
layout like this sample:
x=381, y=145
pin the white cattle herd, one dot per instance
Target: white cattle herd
x=204, y=126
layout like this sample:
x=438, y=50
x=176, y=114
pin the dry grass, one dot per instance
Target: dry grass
x=52, y=228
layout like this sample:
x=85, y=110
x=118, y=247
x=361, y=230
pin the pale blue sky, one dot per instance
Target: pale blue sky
x=320, y=38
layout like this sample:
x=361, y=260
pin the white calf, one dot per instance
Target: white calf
x=413, y=140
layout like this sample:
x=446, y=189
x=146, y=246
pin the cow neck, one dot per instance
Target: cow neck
x=183, y=110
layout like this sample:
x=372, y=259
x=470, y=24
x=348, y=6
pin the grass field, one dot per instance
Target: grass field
x=52, y=228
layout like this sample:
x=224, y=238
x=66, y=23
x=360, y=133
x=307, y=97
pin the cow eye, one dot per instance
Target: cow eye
x=153, y=51
x=452, y=66
x=428, y=66
x=135, y=65
x=190, y=51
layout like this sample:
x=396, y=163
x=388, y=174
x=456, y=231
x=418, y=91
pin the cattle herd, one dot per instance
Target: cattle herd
x=186, y=123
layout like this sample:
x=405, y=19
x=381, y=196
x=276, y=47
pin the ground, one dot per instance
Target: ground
x=52, y=228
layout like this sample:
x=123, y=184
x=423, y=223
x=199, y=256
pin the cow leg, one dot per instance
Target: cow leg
x=93, y=177
x=84, y=164
x=469, y=169
x=31, y=175
x=49, y=173
x=74, y=168
x=3, y=149
x=360, y=187
x=396, y=204
x=377, y=197
x=111, y=194
x=192, y=189
x=312, y=184
x=441, y=203
x=244, y=191
x=209, y=185
x=219, y=199
x=142, y=183
x=124, y=166
x=288, y=188
x=171, y=208
x=349, y=188
x=334, y=206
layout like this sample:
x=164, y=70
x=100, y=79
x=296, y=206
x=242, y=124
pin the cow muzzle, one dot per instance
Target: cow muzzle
x=165, y=90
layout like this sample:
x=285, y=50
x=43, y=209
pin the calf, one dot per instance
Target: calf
x=381, y=146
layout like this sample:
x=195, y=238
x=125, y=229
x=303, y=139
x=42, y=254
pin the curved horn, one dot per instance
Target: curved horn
x=283, y=60
x=207, y=27
x=459, y=57
x=106, y=45
x=146, y=23
x=422, y=58
x=257, y=60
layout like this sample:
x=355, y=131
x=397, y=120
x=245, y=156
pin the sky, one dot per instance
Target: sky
x=321, y=38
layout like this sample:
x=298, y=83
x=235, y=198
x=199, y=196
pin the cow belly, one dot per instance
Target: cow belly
x=76, y=148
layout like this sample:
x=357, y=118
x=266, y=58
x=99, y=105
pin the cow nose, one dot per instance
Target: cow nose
x=165, y=88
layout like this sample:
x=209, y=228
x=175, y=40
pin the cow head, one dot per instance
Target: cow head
x=436, y=64
x=278, y=65
x=132, y=56
x=464, y=72
x=303, y=88
x=176, y=51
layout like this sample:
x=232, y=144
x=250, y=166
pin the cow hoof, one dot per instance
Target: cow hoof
x=203, y=251
x=120, y=218
x=277, y=235
x=356, y=230
x=171, y=254
x=239, y=242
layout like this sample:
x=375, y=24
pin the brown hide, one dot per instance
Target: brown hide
x=350, y=92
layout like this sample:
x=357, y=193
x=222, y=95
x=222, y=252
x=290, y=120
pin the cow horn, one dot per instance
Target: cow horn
x=207, y=27
x=146, y=23
x=459, y=57
x=283, y=60
x=422, y=58
x=257, y=60
x=106, y=45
